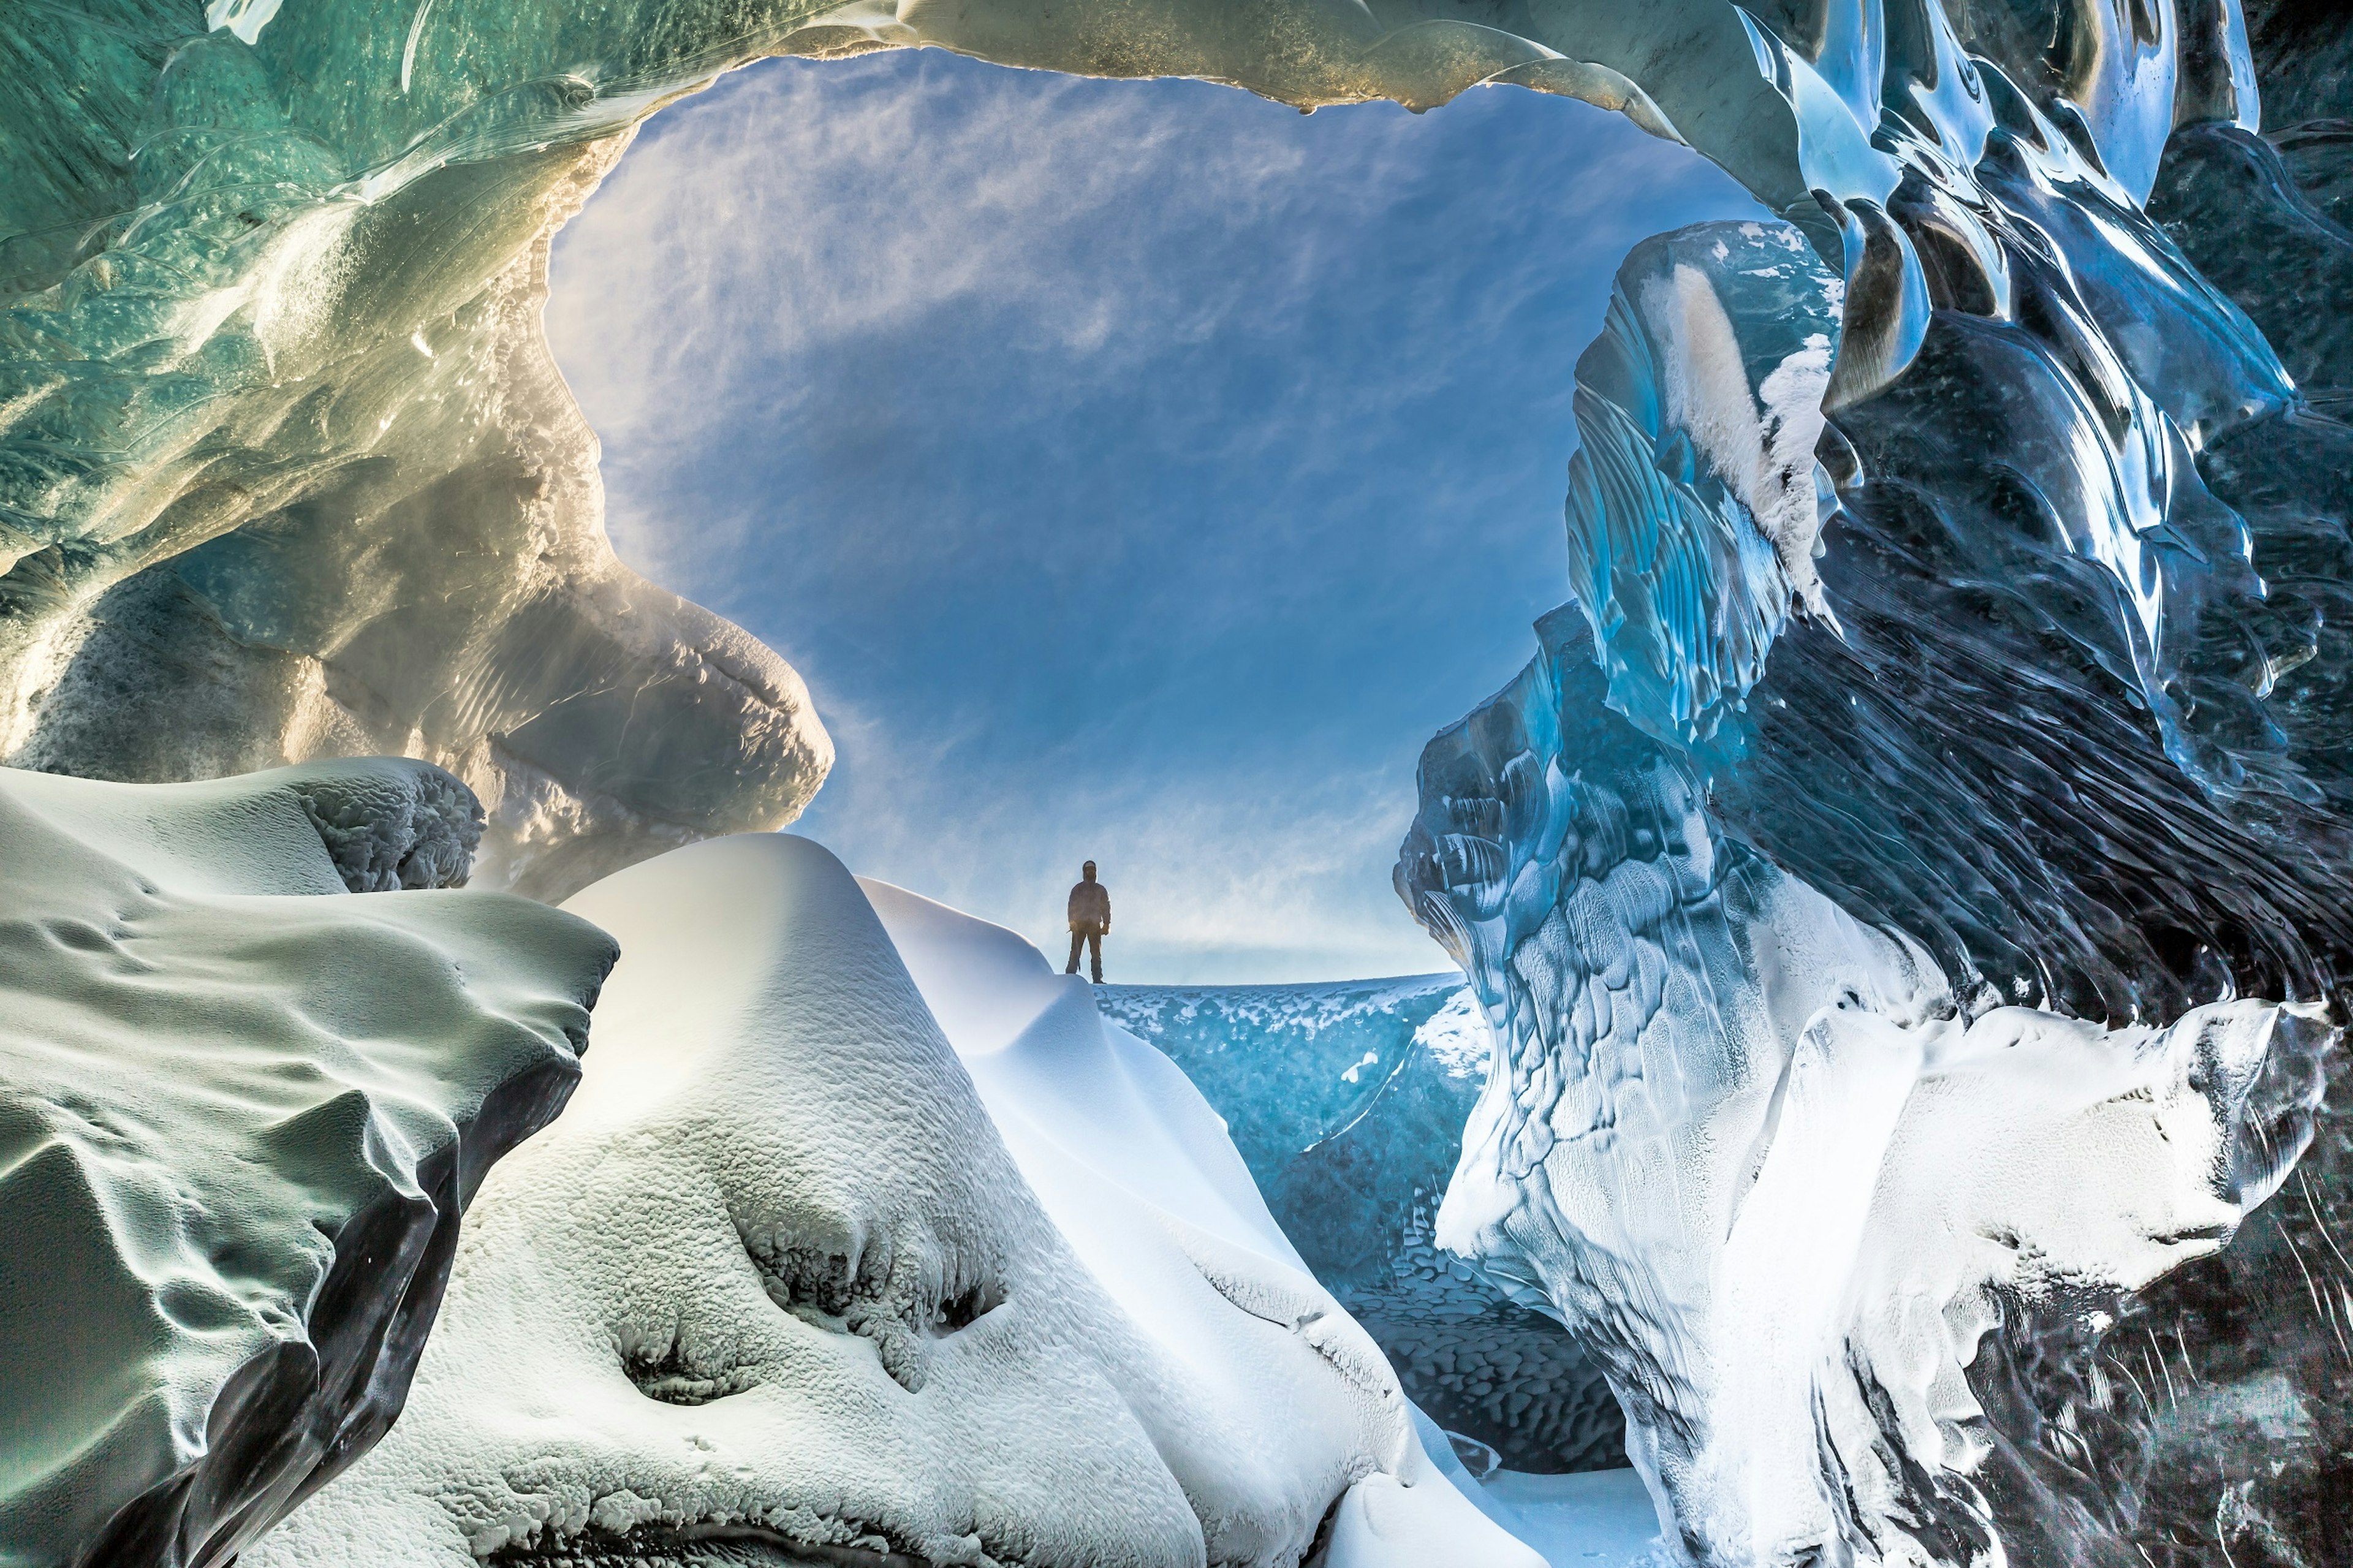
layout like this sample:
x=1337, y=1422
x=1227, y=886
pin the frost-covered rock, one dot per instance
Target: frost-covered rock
x=866, y=1235
x=241, y=1110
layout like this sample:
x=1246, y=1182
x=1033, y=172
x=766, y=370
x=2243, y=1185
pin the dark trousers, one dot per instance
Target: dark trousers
x=1091, y=940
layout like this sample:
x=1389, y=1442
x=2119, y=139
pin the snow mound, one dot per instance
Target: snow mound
x=240, y=1112
x=382, y=824
x=866, y=1240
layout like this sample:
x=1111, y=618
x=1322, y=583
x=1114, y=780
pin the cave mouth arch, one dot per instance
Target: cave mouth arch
x=1141, y=470
x=332, y=250
x=279, y=367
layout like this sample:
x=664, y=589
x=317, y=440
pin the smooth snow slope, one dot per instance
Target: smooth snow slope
x=777, y=1277
x=240, y=1110
x=1137, y=1170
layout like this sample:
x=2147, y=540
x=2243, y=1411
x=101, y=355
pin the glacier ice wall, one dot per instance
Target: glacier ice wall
x=805, y=1275
x=1348, y=1100
x=288, y=471
x=2049, y=713
x=285, y=469
x=240, y=1112
x=1758, y=1158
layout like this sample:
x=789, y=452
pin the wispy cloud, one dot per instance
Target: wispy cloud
x=1135, y=470
x=1242, y=876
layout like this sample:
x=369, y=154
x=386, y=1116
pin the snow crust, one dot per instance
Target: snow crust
x=240, y=1112
x=865, y=1234
x=382, y=825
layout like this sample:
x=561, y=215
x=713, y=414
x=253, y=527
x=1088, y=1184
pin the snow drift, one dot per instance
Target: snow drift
x=866, y=1240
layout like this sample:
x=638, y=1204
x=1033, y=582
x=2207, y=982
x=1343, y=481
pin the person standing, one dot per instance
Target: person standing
x=1089, y=921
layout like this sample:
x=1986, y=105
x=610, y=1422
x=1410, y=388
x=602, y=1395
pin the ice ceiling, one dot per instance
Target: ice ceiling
x=1905, y=890
x=276, y=280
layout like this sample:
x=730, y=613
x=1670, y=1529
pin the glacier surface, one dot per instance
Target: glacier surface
x=243, y=1104
x=867, y=1240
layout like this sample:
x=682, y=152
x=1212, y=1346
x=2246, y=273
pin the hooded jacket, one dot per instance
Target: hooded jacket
x=1091, y=908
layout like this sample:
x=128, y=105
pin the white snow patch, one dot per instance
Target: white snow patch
x=865, y=1231
x=1458, y=1038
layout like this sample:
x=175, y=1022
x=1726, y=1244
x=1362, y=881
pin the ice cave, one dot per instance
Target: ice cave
x=1871, y=1091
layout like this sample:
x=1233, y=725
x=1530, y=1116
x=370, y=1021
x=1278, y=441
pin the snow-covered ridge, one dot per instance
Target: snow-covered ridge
x=866, y=1235
x=241, y=1109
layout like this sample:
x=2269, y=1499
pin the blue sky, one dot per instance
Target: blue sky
x=1135, y=470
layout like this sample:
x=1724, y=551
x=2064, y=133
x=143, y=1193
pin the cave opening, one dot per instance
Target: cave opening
x=1138, y=471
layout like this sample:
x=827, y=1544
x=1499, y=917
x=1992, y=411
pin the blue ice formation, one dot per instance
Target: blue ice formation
x=1814, y=911
x=1695, y=502
x=1772, y=1172
x=1348, y=1100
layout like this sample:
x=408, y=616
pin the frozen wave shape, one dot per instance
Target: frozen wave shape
x=241, y=1109
x=1763, y=1160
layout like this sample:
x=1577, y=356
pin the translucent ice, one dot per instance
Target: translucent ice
x=2057, y=723
x=1761, y=1161
x=1348, y=1100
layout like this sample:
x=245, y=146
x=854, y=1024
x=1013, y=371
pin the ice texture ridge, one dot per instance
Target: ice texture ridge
x=241, y=1110
x=1755, y=1154
x=2000, y=832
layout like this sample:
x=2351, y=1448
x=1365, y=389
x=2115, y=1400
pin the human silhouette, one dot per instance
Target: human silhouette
x=1089, y=921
